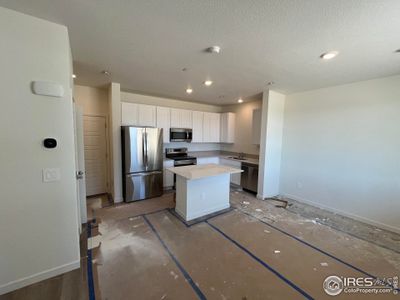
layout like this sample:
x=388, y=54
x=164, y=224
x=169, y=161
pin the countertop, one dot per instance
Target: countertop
x=201, y=171
x=249, y=158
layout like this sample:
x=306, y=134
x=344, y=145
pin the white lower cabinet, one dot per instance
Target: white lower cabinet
x=168, y=176
x=235, y=178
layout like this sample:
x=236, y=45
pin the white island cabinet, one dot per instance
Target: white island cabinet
x=202, y=189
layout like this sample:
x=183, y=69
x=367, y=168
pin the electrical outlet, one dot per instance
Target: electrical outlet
x=51, y=174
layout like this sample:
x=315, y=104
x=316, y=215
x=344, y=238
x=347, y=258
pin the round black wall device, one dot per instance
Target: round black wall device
x=50, y=143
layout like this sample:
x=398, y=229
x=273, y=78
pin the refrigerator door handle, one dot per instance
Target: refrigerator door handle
x=146, y=150
x=143, y=150
x=143, y=174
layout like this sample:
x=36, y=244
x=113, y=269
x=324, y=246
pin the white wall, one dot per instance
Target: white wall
x=38, y=221
x=115, y=138
x=243, y=127
x=341, y=150
x=94, y=101
x=270, y=144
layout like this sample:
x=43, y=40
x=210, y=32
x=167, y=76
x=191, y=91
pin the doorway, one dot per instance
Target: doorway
x=96, y=157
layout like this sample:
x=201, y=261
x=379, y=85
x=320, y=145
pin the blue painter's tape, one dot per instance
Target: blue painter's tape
x=287, y=281
x=315, y=248
x=181, y=268
x=89, y=265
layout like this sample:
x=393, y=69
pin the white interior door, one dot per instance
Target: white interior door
x=95, y=154
x=80, y=165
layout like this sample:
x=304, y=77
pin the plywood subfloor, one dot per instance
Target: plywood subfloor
x=251, y=252
x=255, y=251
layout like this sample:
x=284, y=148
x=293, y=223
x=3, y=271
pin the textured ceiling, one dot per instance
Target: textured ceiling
x=146, y=44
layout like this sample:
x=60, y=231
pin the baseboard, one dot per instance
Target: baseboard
x=118, y=200
x=344, y=213
x=19, y=283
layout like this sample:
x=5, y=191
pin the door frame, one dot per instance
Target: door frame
x=108, y=148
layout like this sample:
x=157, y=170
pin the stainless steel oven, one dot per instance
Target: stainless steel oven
x=180, y=135
x=180, y=157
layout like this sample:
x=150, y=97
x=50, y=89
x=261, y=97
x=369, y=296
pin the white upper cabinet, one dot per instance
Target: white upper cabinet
x=256, y=126
x=186, y=118
x=164, y=121
x=181, y=118
x=133, y=114
x=197, y=127
x=227, y=128
x=129, y=114
x=211, y=127
x=147, y=115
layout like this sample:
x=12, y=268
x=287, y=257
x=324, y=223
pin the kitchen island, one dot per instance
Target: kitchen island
x=202, y=189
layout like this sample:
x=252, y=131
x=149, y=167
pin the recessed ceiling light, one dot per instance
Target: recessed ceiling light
x=240, y=100
x=208, y=82
x=73, y=76
x=329, y=55
x=105, y=72
x=214, y=49
x=189, y=90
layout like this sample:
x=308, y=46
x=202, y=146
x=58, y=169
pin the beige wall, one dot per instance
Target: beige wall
x=167, y=102
x=243, y=127
x=38, y=220
x=94, y=101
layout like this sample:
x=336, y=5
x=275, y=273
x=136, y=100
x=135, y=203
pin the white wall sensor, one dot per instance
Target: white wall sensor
x=46, y=88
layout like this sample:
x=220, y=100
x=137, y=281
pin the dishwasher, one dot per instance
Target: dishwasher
x=249, y=179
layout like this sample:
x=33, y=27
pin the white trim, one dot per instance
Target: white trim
x=19, y=283
x=343, y=213
x=118, y=200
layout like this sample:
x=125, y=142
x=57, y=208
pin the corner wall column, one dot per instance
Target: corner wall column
x=114, y=93
x=270, y=144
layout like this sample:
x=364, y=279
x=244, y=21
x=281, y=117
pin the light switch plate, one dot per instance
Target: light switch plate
x=51, y=174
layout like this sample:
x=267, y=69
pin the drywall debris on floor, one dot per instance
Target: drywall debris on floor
x=94, y=242
x=259, y=210
x=245, y=202
x=277, y=251
x=324, y=264
x=173, y=274
x=266, y=231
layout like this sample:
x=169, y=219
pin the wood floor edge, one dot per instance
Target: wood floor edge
x=20, y=283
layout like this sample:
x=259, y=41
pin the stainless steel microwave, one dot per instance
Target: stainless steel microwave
x=180, y=135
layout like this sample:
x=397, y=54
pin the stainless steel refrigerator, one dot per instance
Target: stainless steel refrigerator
x=142, y=162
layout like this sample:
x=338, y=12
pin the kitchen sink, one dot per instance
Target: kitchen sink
x=237, y=157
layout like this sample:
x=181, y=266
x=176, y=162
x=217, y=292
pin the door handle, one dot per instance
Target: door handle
x=79, y=174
